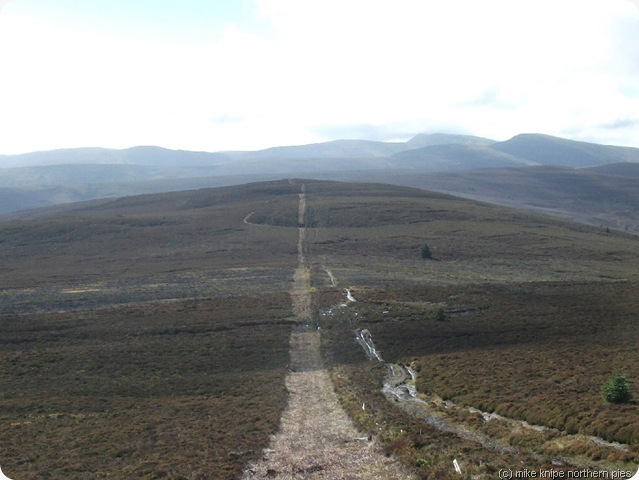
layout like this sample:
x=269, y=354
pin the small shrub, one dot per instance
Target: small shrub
x=439, y=314
x=616, y=389
x=425, y=253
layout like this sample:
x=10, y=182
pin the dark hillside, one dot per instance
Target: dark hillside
x=630, y=170
x=148, y=247
x=548, y=150
x=455, y=157
x=584, y=195
x=148, y=336
x=70, y=175
x=389, y=221
x=516, y=313
x=142, y=155
x=66, y=174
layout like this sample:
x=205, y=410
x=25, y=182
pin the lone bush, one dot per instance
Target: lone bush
x=616, y=389
x=439, y=314
x=424, y=252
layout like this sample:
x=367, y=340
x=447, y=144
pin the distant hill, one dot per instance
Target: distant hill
x=521, y=150
x=428, y=139
x=584, y=195
x=547, y=150
x=443, y=151
x=622, y=169
x=332, y=149
x=455, y=157
x=65, y=174
x=61, y=176
x=35, y=196
x=150, y=156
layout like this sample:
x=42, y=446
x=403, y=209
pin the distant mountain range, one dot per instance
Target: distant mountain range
x=459, y=164
x=425, y=151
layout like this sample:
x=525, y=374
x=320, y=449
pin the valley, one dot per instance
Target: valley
x=154, y=336
x=578, y=181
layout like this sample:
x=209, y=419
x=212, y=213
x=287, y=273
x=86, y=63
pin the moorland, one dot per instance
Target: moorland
x=148, y=336
x=145, y=337
x=574, y=180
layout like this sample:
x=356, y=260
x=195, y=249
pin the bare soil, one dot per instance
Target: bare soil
x=317, y=439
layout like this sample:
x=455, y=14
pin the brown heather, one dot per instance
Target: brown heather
x=150, y=337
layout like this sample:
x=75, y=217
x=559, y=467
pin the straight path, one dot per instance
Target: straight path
x=317, y=440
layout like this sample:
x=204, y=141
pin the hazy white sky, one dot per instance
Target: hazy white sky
x=249, y=74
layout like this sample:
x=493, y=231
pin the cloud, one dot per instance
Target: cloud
x=528, y=66
x=298, y=72
x=621, y=123
x=381, y=133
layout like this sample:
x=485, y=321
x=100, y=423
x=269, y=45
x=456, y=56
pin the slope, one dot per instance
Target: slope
x=603, y=196
x=455, y=157
x=513, y=315
x=70, y=175
x=141, y=155
x=427, y=139
x=160, y=325
x=548, y=150
x=145, y=337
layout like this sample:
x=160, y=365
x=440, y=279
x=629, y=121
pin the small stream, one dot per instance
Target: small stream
x=399, y=388
x=349, y=295
x=365, y=339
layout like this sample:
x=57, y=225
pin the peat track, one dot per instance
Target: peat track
x=316, y=440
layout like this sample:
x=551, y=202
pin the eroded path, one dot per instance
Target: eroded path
x=317, y=440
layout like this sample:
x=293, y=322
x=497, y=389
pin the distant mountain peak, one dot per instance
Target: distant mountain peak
x=428, y=139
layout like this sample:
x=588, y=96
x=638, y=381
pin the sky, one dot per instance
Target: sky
x=215, y=75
